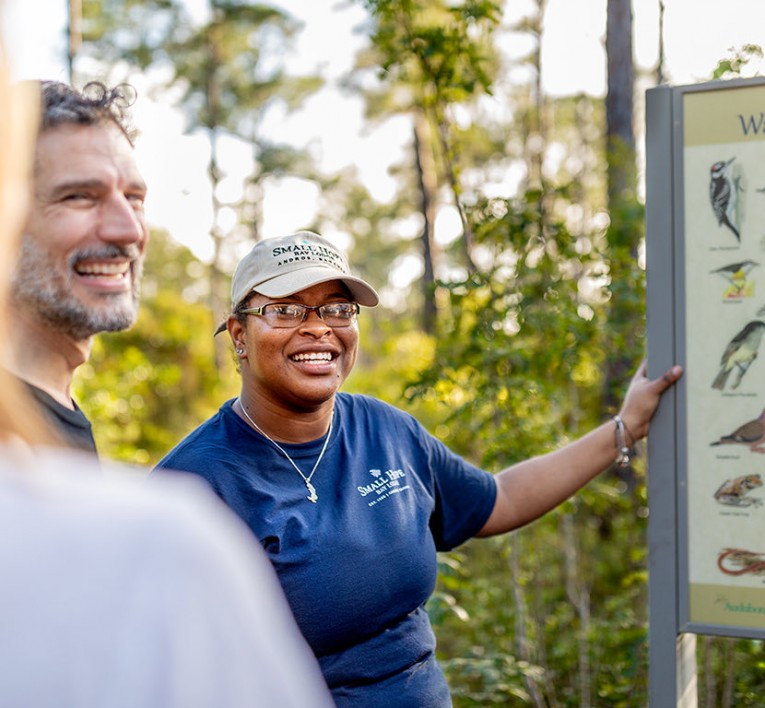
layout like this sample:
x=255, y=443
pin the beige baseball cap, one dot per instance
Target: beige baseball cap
x=277, y=267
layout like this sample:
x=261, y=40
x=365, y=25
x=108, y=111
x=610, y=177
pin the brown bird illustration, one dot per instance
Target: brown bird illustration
x=740, y=353
x=751, y=433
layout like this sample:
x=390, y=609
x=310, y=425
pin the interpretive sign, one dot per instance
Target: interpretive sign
x=724, y=205
x=705, y=236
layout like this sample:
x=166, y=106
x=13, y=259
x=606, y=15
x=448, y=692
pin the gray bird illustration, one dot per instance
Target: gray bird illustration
x=735, y=273
x=740, y=353
x=723, y=193
x=751, y=433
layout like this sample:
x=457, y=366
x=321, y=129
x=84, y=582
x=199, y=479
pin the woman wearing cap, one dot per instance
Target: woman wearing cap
x=351, y=497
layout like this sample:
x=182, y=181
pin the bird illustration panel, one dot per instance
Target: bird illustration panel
x=723, y=206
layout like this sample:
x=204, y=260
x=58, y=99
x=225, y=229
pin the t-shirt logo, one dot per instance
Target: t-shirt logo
x=383, y=484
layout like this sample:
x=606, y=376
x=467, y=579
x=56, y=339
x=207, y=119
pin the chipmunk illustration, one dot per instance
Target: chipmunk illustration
x=733, y=491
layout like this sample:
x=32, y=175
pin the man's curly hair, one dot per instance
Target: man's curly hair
x=96, y=104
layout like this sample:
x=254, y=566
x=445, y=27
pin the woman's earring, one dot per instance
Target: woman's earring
x=239, y=351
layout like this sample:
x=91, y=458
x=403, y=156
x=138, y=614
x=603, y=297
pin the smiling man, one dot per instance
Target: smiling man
x=83, y=246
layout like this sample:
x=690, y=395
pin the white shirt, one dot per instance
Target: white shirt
x=119, y=591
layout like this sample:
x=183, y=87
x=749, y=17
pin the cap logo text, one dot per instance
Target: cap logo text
x=308, y=252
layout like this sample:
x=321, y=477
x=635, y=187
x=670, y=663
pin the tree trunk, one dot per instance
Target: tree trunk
x=660, y=62
x=625, y=232
x=452, y=170
x=620, y=133
x=579, y=596
x=522, y=644
x=428, y=183
x=729, y=664
x=74, y=36
x=710, y=697
x=539, y=124
x=218, y=298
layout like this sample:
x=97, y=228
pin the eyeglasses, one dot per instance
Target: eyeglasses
x=285, y=315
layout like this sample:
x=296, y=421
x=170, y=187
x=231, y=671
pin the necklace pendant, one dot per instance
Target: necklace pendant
x=312, y=497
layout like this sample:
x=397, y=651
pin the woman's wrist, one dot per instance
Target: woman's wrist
x=624, y=442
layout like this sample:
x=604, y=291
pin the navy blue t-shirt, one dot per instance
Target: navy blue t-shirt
x=357, y=566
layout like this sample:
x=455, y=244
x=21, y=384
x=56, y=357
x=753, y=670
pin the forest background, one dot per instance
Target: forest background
x=509, y=256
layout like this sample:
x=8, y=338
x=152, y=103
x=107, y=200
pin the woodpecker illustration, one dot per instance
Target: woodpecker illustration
x=740, y=353
x=723, y=193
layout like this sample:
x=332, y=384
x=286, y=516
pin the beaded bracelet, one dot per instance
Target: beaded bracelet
x=623, y=456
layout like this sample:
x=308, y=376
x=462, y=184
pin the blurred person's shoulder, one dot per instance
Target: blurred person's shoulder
x=158, y=566
x=82, y=492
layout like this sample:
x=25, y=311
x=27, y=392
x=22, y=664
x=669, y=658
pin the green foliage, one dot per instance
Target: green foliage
x=730, y=671
x=733, y=66
x=442, y=46
x=223, y=65
x=432, y=56
x=624, y=341
x=490, y=680
x=514, y=337
x=518, y=362
x=480, y=620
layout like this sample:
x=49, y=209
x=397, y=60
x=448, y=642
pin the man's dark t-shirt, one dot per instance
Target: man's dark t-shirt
x=73, y=426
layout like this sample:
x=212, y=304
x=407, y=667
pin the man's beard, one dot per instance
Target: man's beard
x=40, y=287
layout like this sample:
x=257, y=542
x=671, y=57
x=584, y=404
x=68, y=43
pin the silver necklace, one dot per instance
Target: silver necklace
x=312, y=496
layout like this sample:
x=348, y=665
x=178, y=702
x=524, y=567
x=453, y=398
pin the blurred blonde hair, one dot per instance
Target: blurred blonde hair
x=19, y=415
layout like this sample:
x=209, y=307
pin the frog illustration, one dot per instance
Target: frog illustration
x=733, y=491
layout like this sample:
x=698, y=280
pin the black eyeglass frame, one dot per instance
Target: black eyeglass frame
x=319, y=309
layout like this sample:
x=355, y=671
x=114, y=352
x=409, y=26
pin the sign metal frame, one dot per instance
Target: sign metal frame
x=672, y=627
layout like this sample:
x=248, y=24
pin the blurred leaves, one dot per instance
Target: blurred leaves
x=734, y=65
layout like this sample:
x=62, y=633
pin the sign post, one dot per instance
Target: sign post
x=705, y=238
